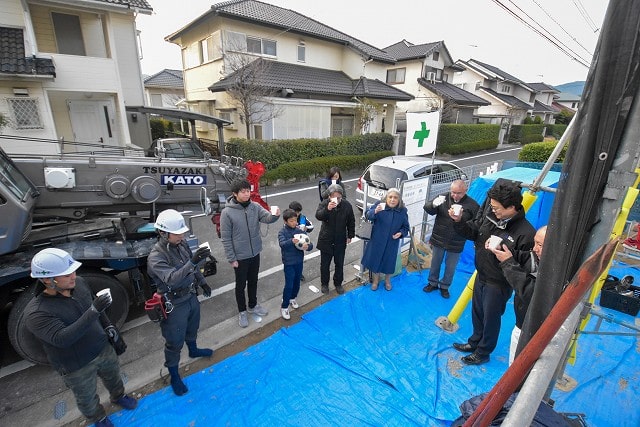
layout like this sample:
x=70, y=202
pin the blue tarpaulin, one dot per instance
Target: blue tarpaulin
x=377, y=358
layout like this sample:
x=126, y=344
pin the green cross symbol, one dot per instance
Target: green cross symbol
x=421, y=134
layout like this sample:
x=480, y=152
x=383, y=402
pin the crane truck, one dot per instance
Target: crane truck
x=98, y=207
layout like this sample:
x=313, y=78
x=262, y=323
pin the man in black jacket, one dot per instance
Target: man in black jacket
x=502, y=219
x=338, y=228
x=446, y=243
x=521, y=272
x=66, y=319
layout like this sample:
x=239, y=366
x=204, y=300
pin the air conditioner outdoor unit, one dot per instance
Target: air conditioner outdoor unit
x=431, y=76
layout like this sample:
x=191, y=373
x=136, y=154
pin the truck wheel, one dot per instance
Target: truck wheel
x=98, y=280
x=29, y=347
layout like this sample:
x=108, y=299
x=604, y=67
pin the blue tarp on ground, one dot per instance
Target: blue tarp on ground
x=377, y=358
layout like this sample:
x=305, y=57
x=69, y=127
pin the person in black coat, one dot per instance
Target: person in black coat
x=502, y=218
x=521, y=272
x=446, y=243
x=337, y=230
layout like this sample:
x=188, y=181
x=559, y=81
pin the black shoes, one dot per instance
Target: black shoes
x=324, y=289
x=475, y=359
x=429, y=288
x=339, y=289
x=465, y=348
x=445, y=293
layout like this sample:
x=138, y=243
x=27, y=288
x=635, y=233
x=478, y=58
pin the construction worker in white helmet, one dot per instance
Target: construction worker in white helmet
x=175, y=271
x=66, y=319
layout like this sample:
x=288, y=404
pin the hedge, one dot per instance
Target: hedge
x=556, y=130
x=458, y=139
x=283, y=152
x=526, y=134
x=540, y=152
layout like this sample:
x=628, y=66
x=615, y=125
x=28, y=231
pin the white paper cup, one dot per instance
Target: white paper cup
x=334, y=200
x=334, y=181
x=495, y=241
x=456, y=209
x=274, y=210
x=103, y=292
x=204, y=245
x=383, y=205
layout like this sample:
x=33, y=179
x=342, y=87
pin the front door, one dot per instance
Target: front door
x=93, y=122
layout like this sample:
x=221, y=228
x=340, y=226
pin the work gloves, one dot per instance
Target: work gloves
x=101, y=303
x=200, y=255
x=206, y=290
x=438, y=201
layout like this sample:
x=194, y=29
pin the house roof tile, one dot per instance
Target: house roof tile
x=288, y=20
x=310, y=80
x=453, y=93
x=166, y=78
x=542, y=87
x=539, y=107
x=508, y=99
x=13, y=59
x=404, y=50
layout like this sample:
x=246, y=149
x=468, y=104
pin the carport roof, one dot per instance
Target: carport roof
x=310, y=80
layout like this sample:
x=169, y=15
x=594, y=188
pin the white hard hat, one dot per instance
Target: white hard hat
x=171, y=221
x=53, y=262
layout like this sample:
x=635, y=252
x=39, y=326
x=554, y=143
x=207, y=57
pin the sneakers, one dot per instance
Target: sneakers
x=285, y=313
x=302, y=278
x=127, y=402
x=339, y=289
x=464, y=347
x=243, y=320
x=324, y=289
x=105, y=422
x=445, y=293
x=293, y=303
x=631, y=243
x=475, y=359
x=430, y=288
x=258, y=309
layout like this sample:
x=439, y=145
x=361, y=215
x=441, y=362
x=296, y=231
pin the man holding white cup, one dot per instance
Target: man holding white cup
x=66, y=320
x=446, y=243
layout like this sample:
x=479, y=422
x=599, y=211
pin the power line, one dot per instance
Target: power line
x=567, y=51
x=585, y=15
x=562, y=28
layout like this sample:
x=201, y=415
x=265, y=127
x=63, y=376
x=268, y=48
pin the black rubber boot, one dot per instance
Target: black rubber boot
x=194, y=351
x=179, y=388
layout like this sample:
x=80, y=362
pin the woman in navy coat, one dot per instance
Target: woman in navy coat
x=390, y=223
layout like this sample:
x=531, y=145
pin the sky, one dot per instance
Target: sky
x=478, y=29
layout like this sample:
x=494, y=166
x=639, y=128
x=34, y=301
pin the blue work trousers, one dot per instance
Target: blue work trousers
x=83, y=383
x=450, y=263
x=180, y=325
x=292, y=276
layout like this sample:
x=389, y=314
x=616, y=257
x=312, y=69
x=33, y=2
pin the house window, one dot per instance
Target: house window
x=461, y=85
x=341, y=125
x=25, y=113
x=574, y=105
x=228, y=115
x=207, y=50
x=505, y=89
x=477, y=85
x=191, y=55
x=68, y=34
x=257, y=131
x=302, y=53
x=435, y=56
x=395, y=76
x=261, y=46
x=532, y=97
x=156, y=100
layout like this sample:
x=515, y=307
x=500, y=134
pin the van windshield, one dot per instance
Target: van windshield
x=384, y=177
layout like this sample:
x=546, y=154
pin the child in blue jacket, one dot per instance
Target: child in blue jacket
x=304, y=223
x=292, y=259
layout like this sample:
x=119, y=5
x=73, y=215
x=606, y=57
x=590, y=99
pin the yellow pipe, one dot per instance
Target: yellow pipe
x=463, y=300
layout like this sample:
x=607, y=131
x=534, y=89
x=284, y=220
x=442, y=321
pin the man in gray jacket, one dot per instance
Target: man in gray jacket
x=240, y=233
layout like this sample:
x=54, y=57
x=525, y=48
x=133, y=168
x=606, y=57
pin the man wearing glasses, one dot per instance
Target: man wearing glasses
x=502, y=222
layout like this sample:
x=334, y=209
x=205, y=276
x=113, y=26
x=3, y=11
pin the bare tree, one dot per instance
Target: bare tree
x=367, y=111
x=248, y=88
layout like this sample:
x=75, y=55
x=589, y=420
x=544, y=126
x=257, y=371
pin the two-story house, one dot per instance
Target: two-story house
x=68, y=68
x=300, y=77
x=567, y=101
x=543, y=105
x=425, y=71
x=511, y=99
x=164, y=88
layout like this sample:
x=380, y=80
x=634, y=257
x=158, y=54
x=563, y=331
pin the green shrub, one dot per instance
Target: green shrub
x=283, y=152
x=458, y=139
x=160, y=128
x=540, y=152
x=556, y=130
x=526, y=134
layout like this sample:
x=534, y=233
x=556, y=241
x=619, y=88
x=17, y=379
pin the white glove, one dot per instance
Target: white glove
x=438, y=201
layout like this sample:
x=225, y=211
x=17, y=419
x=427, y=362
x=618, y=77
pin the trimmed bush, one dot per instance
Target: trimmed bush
x=540, y=152
x=458, y=139
x=526, y=134
x=556, y=130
